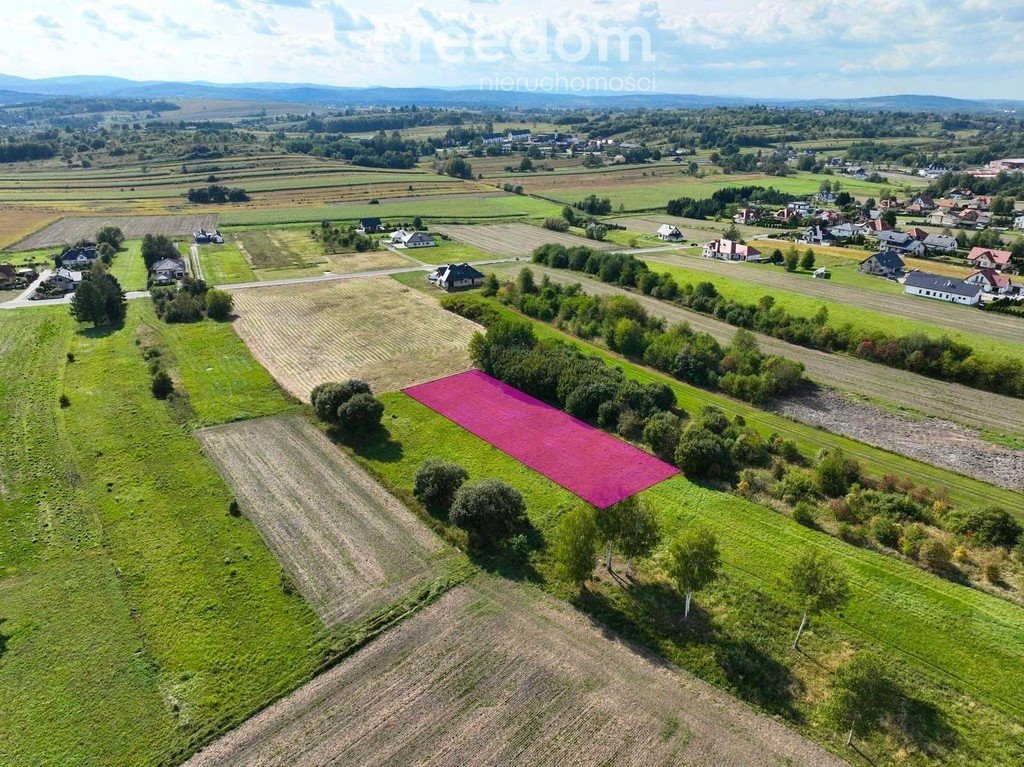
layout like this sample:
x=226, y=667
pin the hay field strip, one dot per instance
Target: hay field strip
x=498, y=674
x=71, y=229
x=514, y=239
x=375, y=329
x=349, y=545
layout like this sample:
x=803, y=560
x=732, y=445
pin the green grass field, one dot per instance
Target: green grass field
x=129, y=268
x=224, y=264
x=449, y=252
x=654, y=194
x=963, y=491
x=871, y=322
x=446, y=209
x=952, y=644
x=138, y=615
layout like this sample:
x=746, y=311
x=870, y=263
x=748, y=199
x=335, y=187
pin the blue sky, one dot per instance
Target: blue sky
x=765, y=48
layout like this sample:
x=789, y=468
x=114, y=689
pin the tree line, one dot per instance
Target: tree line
x=941, y=358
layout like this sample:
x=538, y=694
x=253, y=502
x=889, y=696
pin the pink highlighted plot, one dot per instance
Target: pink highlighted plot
x=597, y=467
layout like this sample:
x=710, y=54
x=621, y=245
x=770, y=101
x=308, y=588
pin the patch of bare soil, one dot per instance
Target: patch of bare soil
x=69, y=230
x=349, y=546
x=496, y=673
x=932, y=440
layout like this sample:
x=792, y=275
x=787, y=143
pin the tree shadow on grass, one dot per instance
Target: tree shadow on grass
x=4, y=638
x=376, y=445
x=651, y=614
x=926, y=726
x=103, y=331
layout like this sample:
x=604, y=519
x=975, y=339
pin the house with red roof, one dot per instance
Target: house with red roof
x=987, y=258
x=991, y=281
x=730, y=250
x=918, y=233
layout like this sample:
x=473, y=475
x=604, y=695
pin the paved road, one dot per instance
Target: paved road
x=962, y=318
x=949, y=401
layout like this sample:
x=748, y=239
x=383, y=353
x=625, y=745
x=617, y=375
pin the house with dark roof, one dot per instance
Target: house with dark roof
x=942, y=288
x=817, y=235
x=203, y=237
x=987, y=258
x=369, y=225
x=453, y=277
x=901, y=242
x=168, y=270
x=886, y=263
x=940, y=243
x=78, y=257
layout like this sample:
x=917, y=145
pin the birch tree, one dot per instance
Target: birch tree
x=693, y=562
x=819, y=583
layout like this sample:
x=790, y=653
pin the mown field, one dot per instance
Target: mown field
x=350, y=547
x=494, y=673
x=375, y=329
x=513, y=240
x=948, y=644
x=69, y=230
x=139, y=617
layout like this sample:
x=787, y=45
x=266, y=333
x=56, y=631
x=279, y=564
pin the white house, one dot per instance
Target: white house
x=457, y=277
x=77, y=257
x=398, y=236
x=168, y=270
x=730, y=250
x=64, y=280
x=987, y=258
x=942, y=288
x=991, y=281
x=942, y=243
x=1018, y=223
x=669, y=233
x=418, y=240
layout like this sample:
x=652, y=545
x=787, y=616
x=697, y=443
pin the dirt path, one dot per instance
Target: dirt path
x=939, y=399
x=347, y=543
x=931, y=440
x=496, y=673
x=197, y=265
x=961, y=318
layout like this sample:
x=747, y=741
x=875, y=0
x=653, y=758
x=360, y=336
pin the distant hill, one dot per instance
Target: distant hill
x=332, y=96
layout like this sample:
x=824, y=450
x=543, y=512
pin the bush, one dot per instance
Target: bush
x=436, y=483
x=991, y=526
x=631, y=425
x=162, y=385
x=360, y=414
x=993, y=572
x=702, y=453
x=662, y=433
x=835, y=473
x=219, y=304
x=934, y=554
x=912, y=539
x=804, y=513
x=489, y=511
x=64, y=401
x=886, y=531
x=327, y=398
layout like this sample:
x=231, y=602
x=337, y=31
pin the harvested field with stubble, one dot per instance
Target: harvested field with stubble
x=375, y=329
x=499, y=674
x=514, y=239
x=69, y=230
x=349, y=545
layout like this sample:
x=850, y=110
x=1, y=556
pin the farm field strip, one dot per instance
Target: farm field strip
x=961, y=489
x=374, y=328
x=597, y=467
x=497, y=674
x=348, y=544
x=883, y=384
x=513, y=239
x=958, y=318
x=71, y=229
